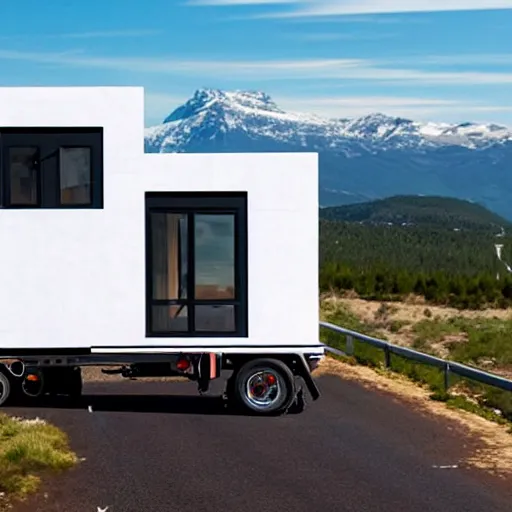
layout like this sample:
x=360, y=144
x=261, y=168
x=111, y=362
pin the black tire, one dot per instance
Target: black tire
x=270, y=377
x=5, y=388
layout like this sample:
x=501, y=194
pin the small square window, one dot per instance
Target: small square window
x=51, y=167
x=75, y=176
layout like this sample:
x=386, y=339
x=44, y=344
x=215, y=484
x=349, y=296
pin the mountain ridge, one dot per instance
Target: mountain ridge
x=375, y=125
x=368, y=157
x=428, y=211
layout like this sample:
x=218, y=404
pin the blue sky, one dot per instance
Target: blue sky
x=440, y=60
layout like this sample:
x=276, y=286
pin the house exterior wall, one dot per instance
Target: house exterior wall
x=75, y=278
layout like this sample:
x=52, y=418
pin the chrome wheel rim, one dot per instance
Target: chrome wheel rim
x=263, y=389
x=4, y=389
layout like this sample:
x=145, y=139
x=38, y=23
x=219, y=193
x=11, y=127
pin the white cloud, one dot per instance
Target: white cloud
x=239, y=2
x=419, y=109
x=107, y=34
x=104, y=34
x=499, y=59
x=339, y=36
x=159, y=105
x=372, y=102
x=318, y=8
x=359, y=70
x=364, y=18
x=272, y=68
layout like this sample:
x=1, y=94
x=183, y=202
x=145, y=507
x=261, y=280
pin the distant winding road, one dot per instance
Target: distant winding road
x=353, y=450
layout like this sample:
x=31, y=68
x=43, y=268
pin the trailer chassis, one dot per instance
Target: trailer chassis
x=259, y=384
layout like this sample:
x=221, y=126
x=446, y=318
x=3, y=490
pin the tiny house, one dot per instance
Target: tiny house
x=163, y=264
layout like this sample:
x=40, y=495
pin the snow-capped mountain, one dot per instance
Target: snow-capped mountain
x=211, y=113
x=367, y=157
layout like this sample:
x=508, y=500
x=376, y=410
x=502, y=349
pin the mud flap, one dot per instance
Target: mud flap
x=304, y=372
x=208, y=368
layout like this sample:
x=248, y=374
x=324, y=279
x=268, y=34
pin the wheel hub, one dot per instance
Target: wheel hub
x=263, y=388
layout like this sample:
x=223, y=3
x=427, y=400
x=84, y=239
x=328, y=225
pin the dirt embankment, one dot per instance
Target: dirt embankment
x=443, y=331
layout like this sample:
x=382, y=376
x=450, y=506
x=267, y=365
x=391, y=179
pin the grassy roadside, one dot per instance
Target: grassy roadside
x=28, y=449
x=472, y=340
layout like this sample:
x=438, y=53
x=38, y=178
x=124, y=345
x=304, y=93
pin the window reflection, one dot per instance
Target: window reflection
x=169, y=318
x=214, y=256
x=75, y=176
x=23, y=175
x=213, y=247
x=215, y=318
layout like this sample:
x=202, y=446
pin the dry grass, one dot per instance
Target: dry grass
x=396, y=321
x=441, y=347
x=94, y=374
x=495, y=453
x=411, y=311
x=29, y=448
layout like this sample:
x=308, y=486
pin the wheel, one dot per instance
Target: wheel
x=5, y=388
x=264, y=387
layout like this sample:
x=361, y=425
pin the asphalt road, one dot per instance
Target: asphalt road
x=353, y=450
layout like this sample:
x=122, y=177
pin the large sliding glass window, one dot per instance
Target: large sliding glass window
x=196, y=264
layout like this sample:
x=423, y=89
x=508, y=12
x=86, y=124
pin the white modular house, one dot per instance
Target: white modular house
x=164, y=263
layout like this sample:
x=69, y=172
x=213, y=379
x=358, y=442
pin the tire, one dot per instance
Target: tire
x=5, y=388
x=264, y=387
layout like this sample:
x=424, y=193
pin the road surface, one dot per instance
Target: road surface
x=353, y=450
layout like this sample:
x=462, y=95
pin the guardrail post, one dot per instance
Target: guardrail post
x=446, y=376
x=349, y=348
x=387, y=356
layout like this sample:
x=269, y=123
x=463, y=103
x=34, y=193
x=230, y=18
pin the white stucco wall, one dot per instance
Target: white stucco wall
x=76, y=278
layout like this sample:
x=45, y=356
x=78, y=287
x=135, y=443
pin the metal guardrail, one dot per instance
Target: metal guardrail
x=448, y=367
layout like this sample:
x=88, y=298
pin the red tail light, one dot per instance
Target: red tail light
x=183, y=364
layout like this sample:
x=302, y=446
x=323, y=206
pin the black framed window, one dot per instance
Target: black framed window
x=196, y=264
x=51, y=167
